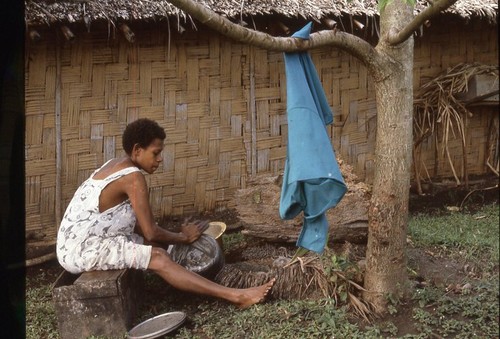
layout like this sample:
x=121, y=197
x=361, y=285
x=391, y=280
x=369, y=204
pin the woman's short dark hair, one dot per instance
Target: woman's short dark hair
x=142, y=131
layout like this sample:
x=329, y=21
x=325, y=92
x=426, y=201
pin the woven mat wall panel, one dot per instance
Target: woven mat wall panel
x=434, y=53
x=222, y=105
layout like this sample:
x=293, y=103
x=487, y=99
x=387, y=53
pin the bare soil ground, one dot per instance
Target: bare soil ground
x=430, y=268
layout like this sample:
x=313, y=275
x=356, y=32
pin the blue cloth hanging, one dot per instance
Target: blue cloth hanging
x=312, y=181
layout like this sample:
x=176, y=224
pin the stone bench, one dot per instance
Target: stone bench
x=97, y=303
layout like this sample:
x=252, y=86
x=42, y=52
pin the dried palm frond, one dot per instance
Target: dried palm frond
x=439, y=112
x=361, y=308
x=310, y=276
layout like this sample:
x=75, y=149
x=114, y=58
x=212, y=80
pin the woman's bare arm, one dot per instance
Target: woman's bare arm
x=135, y=187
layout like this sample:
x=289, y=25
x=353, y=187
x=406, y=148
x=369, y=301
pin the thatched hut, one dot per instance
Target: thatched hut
x=93, y=66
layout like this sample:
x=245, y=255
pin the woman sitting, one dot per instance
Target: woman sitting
x=109, y=223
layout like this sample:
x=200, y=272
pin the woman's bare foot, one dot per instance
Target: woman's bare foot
x=253, y=295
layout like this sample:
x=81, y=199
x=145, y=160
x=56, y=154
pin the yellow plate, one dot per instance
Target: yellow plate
x=215, y=229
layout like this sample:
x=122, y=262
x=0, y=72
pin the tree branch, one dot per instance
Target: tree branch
x=344, y=41
x=395, y=38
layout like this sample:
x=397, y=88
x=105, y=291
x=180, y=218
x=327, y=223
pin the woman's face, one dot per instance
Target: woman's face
x=149, y=158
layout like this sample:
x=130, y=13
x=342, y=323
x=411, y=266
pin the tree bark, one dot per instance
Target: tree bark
x=342, y=40
x=388, y=213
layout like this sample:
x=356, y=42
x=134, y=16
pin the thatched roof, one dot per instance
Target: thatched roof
x=42, y=12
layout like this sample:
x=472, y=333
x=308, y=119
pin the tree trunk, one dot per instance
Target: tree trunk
x=388, y=212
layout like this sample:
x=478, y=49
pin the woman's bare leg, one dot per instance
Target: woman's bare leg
x=188, y=281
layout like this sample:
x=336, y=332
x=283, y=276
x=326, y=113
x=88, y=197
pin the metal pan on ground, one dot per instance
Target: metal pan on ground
x=157, y=326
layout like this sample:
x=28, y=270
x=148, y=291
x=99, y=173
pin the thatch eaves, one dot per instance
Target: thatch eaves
x=46, y=12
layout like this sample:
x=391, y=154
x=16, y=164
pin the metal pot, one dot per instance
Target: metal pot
x=204, y=256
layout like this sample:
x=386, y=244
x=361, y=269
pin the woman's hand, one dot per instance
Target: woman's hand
x=193, y=229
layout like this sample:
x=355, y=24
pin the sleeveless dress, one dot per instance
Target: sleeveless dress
x=90, y=240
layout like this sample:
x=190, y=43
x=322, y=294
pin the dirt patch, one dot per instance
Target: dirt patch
x=43, y=274
x=429, y=268
x=434, y=270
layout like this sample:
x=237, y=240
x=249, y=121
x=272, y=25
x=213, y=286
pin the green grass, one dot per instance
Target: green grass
x=471, y=314
x=40, y=314
x=474, y=238
x=280, y=319
x=436, y=312
x=471, y=236
x=232, y=241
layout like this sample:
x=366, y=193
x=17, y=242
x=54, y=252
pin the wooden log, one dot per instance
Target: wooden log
x=40, y=260
x=355, y=233
x=258, y=206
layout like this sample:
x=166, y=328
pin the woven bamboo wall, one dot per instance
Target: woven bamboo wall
x=434, y=53
x=222, y=105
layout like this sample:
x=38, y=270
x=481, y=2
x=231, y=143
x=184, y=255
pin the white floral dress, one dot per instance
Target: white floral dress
x=90, y=240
